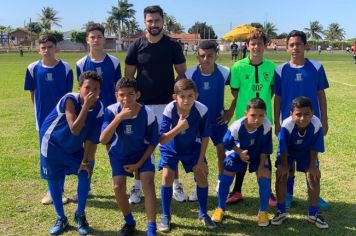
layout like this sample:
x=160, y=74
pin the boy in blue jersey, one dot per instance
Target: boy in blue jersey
x=299, y=77
x=106, y=65
x=47, y=80
x=131, y=130
x=185, y=136
x=69, y=136
x=300, y=140
x=249, y=141
x=210, y=79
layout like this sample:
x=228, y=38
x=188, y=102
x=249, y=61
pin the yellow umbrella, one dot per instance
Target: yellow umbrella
x=238, y=33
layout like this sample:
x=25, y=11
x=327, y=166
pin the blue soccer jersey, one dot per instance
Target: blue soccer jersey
x=211, y=88
x=306, y=80
x=298, y=146
x=256, y=142
x=109, y=70
x=189, y=141
x=58, y=142
x=49, y=85
x=132, y=136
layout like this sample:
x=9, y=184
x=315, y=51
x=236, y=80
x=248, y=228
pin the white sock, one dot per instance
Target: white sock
x=175, y=182
x=137, y=184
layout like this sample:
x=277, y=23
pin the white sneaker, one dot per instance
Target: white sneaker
x=178, y=193
x=135, y=195
x=193, y=197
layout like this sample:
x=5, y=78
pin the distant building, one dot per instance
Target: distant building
x=21, y=37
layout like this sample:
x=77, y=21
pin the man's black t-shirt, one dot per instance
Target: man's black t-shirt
x=154, y=62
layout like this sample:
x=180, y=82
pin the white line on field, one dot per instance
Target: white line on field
x=350, y=85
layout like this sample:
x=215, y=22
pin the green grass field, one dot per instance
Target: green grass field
x=21, y=187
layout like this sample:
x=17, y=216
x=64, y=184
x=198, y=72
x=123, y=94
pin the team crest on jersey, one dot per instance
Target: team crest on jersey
x=256, y=88
x=299, y=141
x=206, y=86
x=229, y=163
x=99, y=71
x=49, y=77
x=128, y=129
x=298, y=77
x=252, y=142
x=265, y=76
x=44, y=170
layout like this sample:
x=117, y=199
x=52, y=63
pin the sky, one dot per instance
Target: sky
x=222, y=15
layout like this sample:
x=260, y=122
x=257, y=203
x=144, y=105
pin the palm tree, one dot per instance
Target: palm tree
x=315, y=30
x=48, y=17
x=132, y=27
x=111, y=25
x=171, y=25
x=122, y=13
x=270, y=30
x=335, y=32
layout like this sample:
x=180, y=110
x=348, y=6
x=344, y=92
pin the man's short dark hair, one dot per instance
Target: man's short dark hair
x=95, y=26
x=89, y=75
x=208, y=44
x=297, y=33
x=126, y=82
x=301, y=102
x=183, y=85
x=256, y=103
x=152, y=10
x=47, y=38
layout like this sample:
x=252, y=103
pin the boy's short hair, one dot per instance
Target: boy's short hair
x=47, y=38
x=301, y=102
x=257, y=34
x=89, y=75
x=208, y=44
x=256, y=103
x=95, y=26
x=297, y=33
x=126, y=82
x=152, y=10
x=183, y=85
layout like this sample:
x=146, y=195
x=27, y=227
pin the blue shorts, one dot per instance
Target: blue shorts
x=117, y=166
x=188, y=161
x=302, y=163
x=233, y=163
x=54, y=167
x=217, y=133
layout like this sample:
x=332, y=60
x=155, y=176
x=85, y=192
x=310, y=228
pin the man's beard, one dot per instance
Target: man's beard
x=155, y=33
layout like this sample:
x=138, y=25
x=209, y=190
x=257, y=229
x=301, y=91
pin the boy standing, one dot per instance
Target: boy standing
x=210, y=79
x=249, y=141
x=250, y=78
x=300, y=140
x=105, y=65
x=68, y=138
x=299, y=77
x=185, y=135
x=131, y=130
x=47, y=80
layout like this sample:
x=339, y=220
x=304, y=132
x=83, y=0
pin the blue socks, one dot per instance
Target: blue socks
x=281, y=207
x=265, y=192
x=83, y=190
x=166, y=198
x=129, y=219
x=151, y=228
x=202, y=194
x=290, y=185
x=55, y=190
x=313, y=210
x=224, y=187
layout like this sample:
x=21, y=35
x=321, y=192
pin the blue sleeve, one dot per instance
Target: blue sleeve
x=318, y=142
x=117, y=73
x=322, y=80
x=79, y=72
x=152, y=133
x=62, y=102
x=283, y=140
x=229, y=141
x=165, y=125
x=94, y=132
x=267, y=147
x=277, y=84
x=69, y=81
x=108, y=118
x=29, y=81
x=205, y=129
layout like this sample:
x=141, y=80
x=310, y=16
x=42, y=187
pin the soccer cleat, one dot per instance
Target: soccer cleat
x=319, y=221
x=234, y=197
x=165, y=225
x=218, y=215
x=82, y=224
x=127, y=230
x=135, y=195
x=206, y=220
x=288, y=200
x=272, y=201
x=59, y=226
x=193, y=197
x=323, y=204
x=278, y=218
x=178, y=193
x=262, y=219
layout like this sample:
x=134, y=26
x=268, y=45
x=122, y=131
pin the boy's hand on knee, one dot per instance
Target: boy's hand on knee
x=202, y=167
x=86, y=167
x=130, y=168
x=282, y=172
x=263, y=172
x=313, y=174
x=244, y=156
